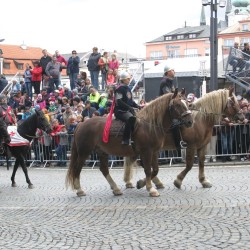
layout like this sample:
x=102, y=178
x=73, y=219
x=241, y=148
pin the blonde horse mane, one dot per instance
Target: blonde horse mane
x=153, y=112
x=213, y=103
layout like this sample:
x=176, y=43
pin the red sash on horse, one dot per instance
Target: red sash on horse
x=105, y=136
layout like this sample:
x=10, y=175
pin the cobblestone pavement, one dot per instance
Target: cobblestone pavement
x=51, y=217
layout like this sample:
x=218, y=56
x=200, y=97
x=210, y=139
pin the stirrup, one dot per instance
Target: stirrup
x=127, y=142
x=183, y=144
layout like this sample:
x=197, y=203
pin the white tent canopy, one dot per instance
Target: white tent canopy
x=188, y=66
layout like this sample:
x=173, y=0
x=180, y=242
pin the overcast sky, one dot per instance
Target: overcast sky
x=122, y=25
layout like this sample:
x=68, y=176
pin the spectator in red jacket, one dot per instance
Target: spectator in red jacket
x=36, y=77
x=56, y=128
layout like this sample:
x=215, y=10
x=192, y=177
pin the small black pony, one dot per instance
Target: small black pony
x=27, y=129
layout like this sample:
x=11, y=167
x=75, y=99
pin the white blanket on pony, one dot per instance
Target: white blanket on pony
x=16, y=139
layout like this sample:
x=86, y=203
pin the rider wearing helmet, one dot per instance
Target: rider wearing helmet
x=4, y=135
x=167, y=82
x=124, y=106
x=167, y=86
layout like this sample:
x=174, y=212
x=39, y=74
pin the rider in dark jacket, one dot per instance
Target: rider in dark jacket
x=167, y=82
x=124, y=106
x=167, y=86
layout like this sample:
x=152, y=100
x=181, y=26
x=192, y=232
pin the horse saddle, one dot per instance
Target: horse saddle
x=16, y=138
x=117, y=128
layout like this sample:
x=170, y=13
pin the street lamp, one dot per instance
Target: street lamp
x=213, y=41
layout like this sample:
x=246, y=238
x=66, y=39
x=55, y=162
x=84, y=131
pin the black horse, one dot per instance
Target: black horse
x=27, y=129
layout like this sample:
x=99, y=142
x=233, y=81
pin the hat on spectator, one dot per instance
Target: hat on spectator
x=37, y=107
x=167, y=68
x=60, y=86
x=57, y=91
x=103, y=95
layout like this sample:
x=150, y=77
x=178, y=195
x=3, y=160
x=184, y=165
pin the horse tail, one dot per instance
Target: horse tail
x=129, y=164
x=71, y=174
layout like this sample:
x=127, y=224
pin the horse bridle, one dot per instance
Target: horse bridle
x=36, y=137
x=232, y=104
x=177, y=121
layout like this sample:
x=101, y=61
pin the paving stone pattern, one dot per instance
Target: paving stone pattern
x=51, y=217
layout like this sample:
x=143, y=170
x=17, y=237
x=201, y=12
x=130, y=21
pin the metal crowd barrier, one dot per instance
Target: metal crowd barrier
x=227, y=142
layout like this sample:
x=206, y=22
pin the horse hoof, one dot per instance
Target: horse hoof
x=153, y=192
x=117, y=192
x=30, y=186
x=206, y=184
x=81, y=193
x=14, y=184
x=160, y=186
x=129, y=185
x=177, y=183
x=140, y=184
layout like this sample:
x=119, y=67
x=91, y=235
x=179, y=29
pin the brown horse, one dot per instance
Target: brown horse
x=207, y=111
x=150, y=130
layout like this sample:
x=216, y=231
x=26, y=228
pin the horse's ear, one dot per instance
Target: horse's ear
x=175, y=93
x=231, y=90
x=183, y=91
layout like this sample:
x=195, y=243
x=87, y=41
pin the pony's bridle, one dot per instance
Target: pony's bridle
x=230, y=103
x=177, y=121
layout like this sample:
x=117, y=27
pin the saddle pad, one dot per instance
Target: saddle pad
x=117, y=128
x=16, y=139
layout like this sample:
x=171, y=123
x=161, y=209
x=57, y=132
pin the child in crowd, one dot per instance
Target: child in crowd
x=79, y=118
x=61, y=149
x=61, y=90
x=110, y=77
x=40, y=102
x=52, y=110
x=102, y=104
x=46, y=114
x=72, y=124
x=34, y=99
x=79, y=109
x=45, y=141
x=26, y=114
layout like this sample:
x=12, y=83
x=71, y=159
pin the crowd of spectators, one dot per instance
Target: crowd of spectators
x=65, y=106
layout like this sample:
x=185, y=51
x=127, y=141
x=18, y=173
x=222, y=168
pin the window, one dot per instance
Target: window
x=173, y=53
x=207, y=51
x=192, y=35
x=156, y=55
x=6, y=65
x=180, y=37
x=167, y=38
x=229, y=42
x=244, y=40
x=20, y=66
x=245, y=26
x=191, y=52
